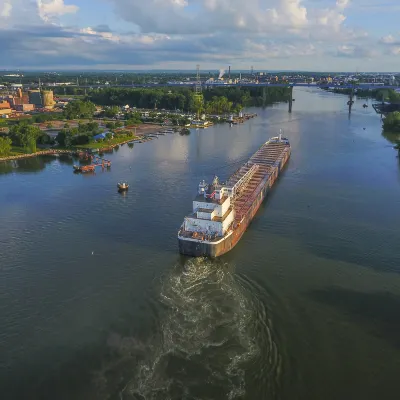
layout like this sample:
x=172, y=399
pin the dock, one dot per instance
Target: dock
x=98, y=162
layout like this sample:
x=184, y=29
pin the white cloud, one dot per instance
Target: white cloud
x=389, y=39
x=356, y=51
x=268, y=33
x=104, y=35
x=54, y=8
x=341, y=4
x=227, y=15
x=5, y=8
x=395, y=51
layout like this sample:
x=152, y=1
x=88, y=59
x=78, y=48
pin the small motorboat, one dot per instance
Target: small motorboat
x=122, y=186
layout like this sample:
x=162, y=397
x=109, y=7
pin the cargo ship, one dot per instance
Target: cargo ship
x=223, y=211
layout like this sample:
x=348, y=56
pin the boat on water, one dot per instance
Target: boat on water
x=223, y=211
x=122, y=186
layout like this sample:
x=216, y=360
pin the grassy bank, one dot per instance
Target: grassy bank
x=106, y=143
x=17, y=151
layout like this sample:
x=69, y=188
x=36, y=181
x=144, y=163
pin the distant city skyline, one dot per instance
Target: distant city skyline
x=270, y=35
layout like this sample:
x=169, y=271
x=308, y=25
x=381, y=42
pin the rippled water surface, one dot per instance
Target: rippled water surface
x=96, y=303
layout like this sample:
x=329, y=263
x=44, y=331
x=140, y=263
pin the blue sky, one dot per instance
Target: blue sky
x=318, y=35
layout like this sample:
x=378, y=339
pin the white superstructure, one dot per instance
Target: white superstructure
x=213, y=213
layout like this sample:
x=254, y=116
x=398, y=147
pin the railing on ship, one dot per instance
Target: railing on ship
x=243, y=181
x=239, y=213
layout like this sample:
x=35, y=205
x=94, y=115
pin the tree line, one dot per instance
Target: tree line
x=184, y=99
x=391, y=123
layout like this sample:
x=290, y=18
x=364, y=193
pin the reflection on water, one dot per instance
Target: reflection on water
x=34, y=164
x=391, y=137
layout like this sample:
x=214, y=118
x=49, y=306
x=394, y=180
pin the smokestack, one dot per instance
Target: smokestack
x=229, y=72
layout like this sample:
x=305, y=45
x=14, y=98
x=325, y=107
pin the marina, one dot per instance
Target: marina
x=98, y=162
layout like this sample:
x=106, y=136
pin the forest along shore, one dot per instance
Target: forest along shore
x=140, y=132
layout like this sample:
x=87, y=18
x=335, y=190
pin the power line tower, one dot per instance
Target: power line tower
x=198, y=95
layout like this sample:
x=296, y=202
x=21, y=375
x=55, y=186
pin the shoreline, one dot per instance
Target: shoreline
x=76, y=150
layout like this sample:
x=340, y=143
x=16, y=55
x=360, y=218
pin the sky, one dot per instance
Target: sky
x=311, y=35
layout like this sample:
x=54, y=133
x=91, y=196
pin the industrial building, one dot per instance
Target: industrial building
x=41, y=98
x=35, y=97
x=5, y=108
x=48, y=98
x=24, y=107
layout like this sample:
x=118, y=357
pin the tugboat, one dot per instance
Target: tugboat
x=122, y=186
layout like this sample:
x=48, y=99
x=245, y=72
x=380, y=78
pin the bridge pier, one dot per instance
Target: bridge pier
x=351, y=102
x=290, y=99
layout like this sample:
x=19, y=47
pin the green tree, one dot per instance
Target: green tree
x=44, y=139
x=64, y=138
x=82, y=139
x=394, y=97
x=79, y=109
x=391, y=123
x=25, y=136
x=111, y=112
x=5, y=146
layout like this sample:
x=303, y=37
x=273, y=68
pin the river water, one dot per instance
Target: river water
x=96, y=303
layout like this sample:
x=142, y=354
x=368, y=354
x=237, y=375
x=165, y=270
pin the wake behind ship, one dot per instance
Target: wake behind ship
x=222, y=212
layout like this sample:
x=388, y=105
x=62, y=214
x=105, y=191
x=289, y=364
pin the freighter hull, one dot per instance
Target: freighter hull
x=215, y=248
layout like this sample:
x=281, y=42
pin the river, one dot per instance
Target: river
x=96, y=303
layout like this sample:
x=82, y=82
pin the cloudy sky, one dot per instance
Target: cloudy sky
x=317, y=35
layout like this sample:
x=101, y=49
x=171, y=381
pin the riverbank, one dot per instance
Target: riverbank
x=38, y=153
x=140, y=132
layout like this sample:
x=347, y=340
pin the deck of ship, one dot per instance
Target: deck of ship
x=265, y=158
